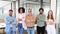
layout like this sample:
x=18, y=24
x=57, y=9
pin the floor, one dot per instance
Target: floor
x=25, y=32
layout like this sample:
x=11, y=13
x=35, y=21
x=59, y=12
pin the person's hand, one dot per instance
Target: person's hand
x=23, y=17
x=11, y=21
x=51, y=22
x=28, y=20
x=37, y=18
x=32, y=20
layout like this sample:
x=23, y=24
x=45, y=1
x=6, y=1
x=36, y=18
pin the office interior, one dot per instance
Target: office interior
x=5, y=5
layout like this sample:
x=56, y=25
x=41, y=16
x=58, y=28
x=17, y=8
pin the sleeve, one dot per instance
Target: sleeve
x=26, y=19
x=14, y=21
x=34, y=18
x=24, y=16
x=7, y=21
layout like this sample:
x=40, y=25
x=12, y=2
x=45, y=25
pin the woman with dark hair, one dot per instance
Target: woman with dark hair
x=21, y=19
x=50, y=23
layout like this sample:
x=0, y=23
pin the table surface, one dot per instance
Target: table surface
x=2, y=25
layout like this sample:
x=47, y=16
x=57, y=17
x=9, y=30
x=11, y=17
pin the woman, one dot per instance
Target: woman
x=21, y=19
x=50, y=23
x=30, y=22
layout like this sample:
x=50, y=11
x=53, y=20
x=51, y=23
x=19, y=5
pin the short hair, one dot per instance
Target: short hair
x=41, y=9
x=11, y=10
x=23, y=10
x=29, y=9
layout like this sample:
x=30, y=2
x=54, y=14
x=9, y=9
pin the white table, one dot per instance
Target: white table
x=2, y=26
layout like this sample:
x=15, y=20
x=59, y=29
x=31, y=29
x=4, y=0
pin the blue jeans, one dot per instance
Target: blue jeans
x=30, y=30
x=20, y=28
x=11, y=31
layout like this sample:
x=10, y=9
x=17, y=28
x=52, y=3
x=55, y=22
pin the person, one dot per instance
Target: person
x=30, y=22
x=10, y=23
x=21, y=19
x=50, y=23
x=41, y=21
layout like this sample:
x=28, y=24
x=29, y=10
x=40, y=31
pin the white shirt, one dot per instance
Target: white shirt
x=21, y=16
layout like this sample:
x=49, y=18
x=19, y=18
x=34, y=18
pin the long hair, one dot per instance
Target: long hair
x=51, y=15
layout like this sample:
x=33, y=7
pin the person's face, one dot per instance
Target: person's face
x=41, y=12
x=50, y=13
x=29, y=12
x=10, y=13
x=21, y=11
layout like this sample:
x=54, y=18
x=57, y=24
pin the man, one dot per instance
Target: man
x=30, y=22
x=10, y=23
x=41, y=22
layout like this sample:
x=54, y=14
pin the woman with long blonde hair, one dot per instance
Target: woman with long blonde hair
x=50, y=23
